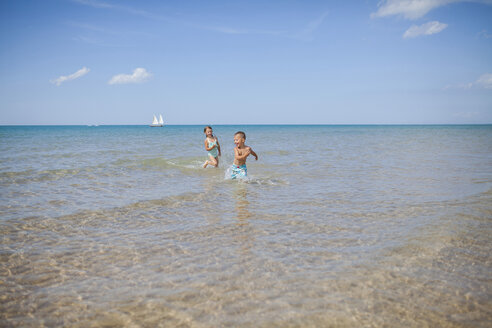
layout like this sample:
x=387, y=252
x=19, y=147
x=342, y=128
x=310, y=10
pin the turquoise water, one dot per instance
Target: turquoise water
x=336, y=225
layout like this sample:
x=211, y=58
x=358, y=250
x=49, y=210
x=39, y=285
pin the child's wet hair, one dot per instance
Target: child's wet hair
x=241, y=133
x=207, y=127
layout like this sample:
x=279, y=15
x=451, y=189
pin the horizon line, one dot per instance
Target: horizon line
x=266, y=124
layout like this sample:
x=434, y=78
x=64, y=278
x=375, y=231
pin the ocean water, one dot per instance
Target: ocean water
x=336, y=226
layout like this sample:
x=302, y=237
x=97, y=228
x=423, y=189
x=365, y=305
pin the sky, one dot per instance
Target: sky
x=245, y=62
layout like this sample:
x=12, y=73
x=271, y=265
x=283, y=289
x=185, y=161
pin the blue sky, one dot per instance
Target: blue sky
x=246, y=62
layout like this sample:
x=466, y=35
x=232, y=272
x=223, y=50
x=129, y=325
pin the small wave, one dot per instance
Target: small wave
x=178, y=162
x=29, y=176
x=187, y=163
x=157, y=162
x=277, y=152
x=160, y=163
x=266, y=181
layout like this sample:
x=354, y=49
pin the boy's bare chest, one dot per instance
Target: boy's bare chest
x=241, y=151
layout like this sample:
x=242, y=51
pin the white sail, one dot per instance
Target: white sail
x=161, y=121
x=154, y=121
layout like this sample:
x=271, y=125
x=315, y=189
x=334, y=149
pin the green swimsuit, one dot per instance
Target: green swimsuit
x=213, y=152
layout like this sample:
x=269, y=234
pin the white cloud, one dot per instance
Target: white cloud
x=109, y=6
x=305, y=34
x=81, y=72
x=230, y=30
x=312, y=26
x=139, y=75
x=485, y=34
x=95, y=4
x=410, y=9
x=485, y=81
x=464, y=86
x=414, y=9
x=424, y=29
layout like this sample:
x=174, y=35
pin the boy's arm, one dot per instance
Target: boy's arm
x=253, y=153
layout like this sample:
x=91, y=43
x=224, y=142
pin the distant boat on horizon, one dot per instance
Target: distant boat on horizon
x=157, y=123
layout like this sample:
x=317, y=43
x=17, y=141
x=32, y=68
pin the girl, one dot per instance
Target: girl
x=212, y=147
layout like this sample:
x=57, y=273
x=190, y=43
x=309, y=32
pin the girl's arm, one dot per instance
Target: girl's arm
x=206, y=146
x=218, y=145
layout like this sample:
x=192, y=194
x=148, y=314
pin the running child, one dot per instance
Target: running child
x=241, y=152
x=212, y=146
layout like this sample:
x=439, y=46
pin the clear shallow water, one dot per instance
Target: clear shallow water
x=337, y=226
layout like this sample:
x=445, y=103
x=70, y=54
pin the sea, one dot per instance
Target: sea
x=335, y=226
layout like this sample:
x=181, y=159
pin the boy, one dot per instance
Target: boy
x=241, y=152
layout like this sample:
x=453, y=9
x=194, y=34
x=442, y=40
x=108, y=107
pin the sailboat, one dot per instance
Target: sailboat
x=156, y=123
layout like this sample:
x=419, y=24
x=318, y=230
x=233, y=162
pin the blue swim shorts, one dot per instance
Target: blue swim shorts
x=238, y=171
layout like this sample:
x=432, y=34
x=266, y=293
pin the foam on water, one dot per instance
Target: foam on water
x=254, y=180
